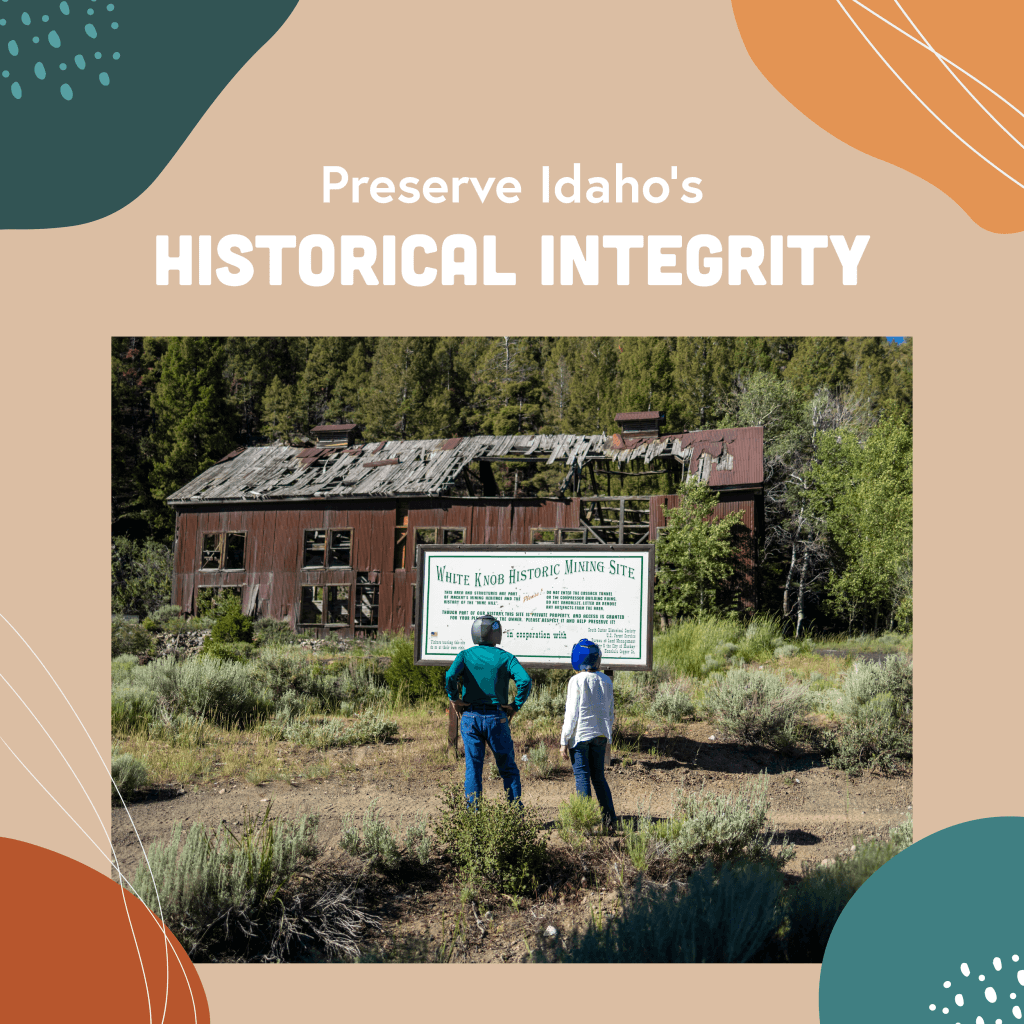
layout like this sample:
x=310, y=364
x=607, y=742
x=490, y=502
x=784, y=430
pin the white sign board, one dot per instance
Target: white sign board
x=546, y=596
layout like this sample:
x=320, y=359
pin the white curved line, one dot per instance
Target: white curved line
x=124, y=883
x=922, y=102
x=944, y=59
x=94, y=843
x=956, y=77
x=167, y=970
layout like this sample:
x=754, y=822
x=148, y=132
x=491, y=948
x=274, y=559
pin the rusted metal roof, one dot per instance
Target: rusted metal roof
x=628, y=417
x=722, y=458
x=334, y=426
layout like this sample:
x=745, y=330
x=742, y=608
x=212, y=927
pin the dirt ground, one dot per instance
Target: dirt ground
x=426, y=913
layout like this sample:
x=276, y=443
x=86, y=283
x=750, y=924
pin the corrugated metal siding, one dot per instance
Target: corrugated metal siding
x=274, y=537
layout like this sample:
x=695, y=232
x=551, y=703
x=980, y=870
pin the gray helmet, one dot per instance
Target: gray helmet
x=486, y=630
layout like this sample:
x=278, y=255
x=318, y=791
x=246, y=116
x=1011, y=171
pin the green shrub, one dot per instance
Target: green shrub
x=722, y=826
x=875, y=706
x=351, y=838
x=544, y=702
x=492, y=840
x=577, y=819
x=129, y=637
x=814, y=905
x=218, y=691
x=127, y=774
x=728, y=917
x=902, y=835
x=166, y=613
x=539, y=760
x=672, y=703
x=408, y=682
x=758, y=707
x=274, y=633
x=644, y=841
x=140, y=575
x=322, y=733
x=215, y=882
x=371, y=727
x=417, y=841
x=378, y=840
x=132, y=708
x=230, y=629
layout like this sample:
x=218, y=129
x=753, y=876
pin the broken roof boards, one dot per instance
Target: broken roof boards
x=546, y=596
x=722, y=458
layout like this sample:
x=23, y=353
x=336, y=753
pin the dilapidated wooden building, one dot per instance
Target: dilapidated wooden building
x=325, y=537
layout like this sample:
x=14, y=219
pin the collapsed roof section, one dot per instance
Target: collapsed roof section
x=725, y=458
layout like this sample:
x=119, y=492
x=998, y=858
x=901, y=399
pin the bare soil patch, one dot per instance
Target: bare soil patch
x=425, y=911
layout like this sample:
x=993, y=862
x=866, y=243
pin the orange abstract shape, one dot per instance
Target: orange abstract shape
x=880, y=86
x=68, y=953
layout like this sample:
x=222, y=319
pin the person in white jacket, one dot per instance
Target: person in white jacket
x=587, y=728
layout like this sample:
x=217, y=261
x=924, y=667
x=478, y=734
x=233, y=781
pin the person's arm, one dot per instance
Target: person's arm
x=572, y=711
x=451, y=677
x=524, y=684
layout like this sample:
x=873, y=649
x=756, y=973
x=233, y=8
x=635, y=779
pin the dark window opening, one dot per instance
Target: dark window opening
x=324, y=606
x=365, y=612
x=454, y=536
x=207, y=598
x=539, y=535
x=212, y=545
x=223, y=551
x=314, y=545
x=234, y=551
x=425, y=535
x=339, y=555
x=311, y=606
x=326, y=550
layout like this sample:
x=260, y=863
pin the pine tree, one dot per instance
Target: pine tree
x=194, y=425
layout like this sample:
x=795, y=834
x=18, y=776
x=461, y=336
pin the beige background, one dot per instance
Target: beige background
x=475, y=89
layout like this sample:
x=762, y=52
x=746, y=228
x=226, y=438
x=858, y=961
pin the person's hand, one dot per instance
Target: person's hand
x=565, y=753
x=459, y=705
x=509, y=709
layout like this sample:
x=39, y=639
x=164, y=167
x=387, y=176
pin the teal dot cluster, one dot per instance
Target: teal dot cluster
x=69, y=17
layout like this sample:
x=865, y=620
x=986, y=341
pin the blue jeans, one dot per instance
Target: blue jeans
x=488, y=727
x=588, y=767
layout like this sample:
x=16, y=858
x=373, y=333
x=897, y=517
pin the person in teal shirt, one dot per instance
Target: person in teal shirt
x=478, y=685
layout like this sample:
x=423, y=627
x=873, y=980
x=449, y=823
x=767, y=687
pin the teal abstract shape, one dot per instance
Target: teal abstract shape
x=104, y=78
x=25, y=18
x=54, y=39
x=114, y=166
x=90, y=30
x=113, y=24
x=65, y=91
x=63, y=67
x=97, y=54
x=12, y=47
x=46, y=17
x=39, y=70
x=80, y=61
x=6, y=74
x=64, y=9
x=35, y=39
x=117, y=56
x=16, y=90
x=110, y=7
x=928, y=919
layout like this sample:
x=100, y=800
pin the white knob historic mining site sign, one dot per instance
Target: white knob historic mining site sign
x=546, y=596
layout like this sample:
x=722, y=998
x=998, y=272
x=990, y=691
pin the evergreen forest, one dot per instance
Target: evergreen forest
x=836, y=411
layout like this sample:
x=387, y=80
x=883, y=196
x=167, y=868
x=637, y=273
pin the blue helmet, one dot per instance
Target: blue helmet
x=586, y=656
